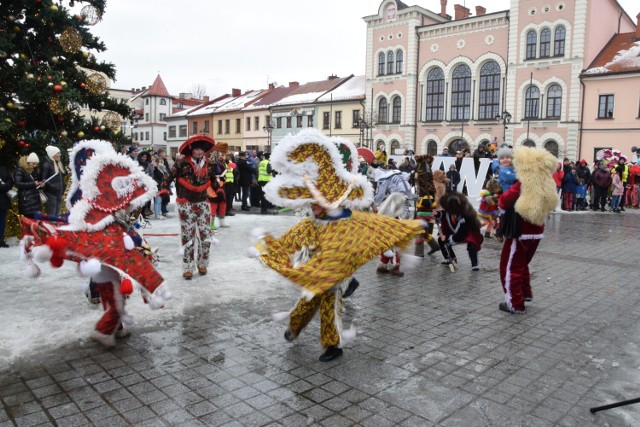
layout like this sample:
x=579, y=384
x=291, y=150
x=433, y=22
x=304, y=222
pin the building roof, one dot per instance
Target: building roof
x=158, y=88
x=310, y=92
x=620, y=55
x=352, y=89
x=212, y=106
x=272, y=98
x=241, y=101
x=183, y=113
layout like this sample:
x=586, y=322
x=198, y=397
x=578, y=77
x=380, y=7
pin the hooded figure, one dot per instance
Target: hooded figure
x=28, y=181
x=526, y=205
x=322, y=252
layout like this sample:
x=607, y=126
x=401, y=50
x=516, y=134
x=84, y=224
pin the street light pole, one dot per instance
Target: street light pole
x=505, y=119
x=268, y=128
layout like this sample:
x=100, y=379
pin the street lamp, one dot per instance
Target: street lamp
x=268, y=128
x=505, y=119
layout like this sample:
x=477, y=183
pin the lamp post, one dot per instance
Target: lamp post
x=268, y=128
x=504, y=119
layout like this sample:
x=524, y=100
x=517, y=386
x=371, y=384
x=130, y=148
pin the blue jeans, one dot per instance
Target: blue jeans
x=615, y=202
x=157, y=206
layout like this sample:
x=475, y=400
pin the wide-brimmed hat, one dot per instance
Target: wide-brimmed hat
x=315, y=169
x=222, y=147
x=197, y=141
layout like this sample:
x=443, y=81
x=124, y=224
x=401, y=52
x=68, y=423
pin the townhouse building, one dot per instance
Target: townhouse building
x=435, y=81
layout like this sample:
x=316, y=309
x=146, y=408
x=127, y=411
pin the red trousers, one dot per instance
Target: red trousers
x=387, y=260
x=514, y=270
x=219, y=204
x=110, y=320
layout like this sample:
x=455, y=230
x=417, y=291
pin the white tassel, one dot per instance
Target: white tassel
x=183, y=247
x=253, y=252
x=281, y=316
x=215, y=241
x=389, y=253
x=409, y=262
x=32, y=270
x=42, y=253
x=334, y=212
x=156, y=302
x=349, y=334
x=127, y=319
x=89, y=267
x=128, y=242
x=25, y=242
x=257, y=234
x=166, y=295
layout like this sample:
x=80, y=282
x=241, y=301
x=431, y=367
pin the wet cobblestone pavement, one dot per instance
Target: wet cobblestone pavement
x=432, y=349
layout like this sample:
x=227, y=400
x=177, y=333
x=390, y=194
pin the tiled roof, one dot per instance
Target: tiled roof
x=620, y=55
x=271, y=98
x=309, y=92
x=352, y=89
x=158, y=88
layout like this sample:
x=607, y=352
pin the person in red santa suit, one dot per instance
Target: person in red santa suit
x=193, y=174
x=525, y=207
x=216, y=192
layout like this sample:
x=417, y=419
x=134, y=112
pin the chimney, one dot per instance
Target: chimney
x=480, y=10
x=638, y=27
x=294, y=84
x=235, y=92
x=205, y=99
x=443, y=8
x=271, y=86
x=332, y=77
x=144, y=88
x=133, y=90
x=461, y=12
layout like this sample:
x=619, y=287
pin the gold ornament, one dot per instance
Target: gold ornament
x=111, y=120
x=96, y=84
x=80, y=134
x=91, y=15
x=2, y=143
x=56, y=106
x=70, y=40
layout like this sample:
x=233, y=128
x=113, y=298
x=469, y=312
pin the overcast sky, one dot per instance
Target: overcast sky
x=245, y=44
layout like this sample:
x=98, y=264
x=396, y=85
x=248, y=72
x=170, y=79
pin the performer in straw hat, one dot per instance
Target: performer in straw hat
x=193, y=174
x=323, y=251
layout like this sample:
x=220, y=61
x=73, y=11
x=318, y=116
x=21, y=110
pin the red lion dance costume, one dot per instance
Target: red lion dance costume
x=98, y=239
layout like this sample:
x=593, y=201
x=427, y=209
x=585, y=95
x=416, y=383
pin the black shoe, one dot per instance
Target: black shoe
x=245, y=208
x=288, y=335
x=622, y=209
x=230, y=214
x=603, y=210
x=351, y=288
x=332, y=353
x=528, y=299
x=475, y=268
x=447, y=262
x=503, y=307
x=3, y=245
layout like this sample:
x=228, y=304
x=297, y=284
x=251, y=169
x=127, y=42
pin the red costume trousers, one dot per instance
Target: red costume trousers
x=219, y=204
x=110, y=320
x=386, y=260
x=514, y=269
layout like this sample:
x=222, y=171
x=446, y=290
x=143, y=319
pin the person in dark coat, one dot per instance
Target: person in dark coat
x=245, y=177
x=601, y=180
x=6, y=184
x=54, y=175
x=28, y=182
x=454, y=178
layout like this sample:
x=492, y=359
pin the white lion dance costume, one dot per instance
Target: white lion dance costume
x=322, y=252
x=110, y=185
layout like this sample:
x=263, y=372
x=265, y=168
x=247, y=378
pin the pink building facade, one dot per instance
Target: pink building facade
x=435, y=81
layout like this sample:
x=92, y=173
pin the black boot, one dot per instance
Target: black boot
x=330, y=354
x=351, y=288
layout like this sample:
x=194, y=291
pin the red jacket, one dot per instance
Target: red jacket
x=508, y=199
x=557, y=177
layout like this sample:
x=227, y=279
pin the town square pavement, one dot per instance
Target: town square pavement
x=431, y=349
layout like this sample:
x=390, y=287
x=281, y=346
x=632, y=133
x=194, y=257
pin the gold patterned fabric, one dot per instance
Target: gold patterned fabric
x=330, y=304
x=339, y=247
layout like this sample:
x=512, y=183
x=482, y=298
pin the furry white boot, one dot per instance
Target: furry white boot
x=223, y=222
x=107, y=341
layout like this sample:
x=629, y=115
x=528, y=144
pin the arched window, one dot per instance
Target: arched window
x=395, y=147
x=163, y=101
x=554, y=101
x=399, y=59
x=532, y=41
x=489, y=91
x=461, y=93
x=381, y=62
x=545, y=43
x=529, y=143
x=396, y=109
x=435, y=95
x=552, y=147
x=380, y=145
x=390, y=62
x=458, y=145
x=558, y=41
x=432, y=148
x=532, y=100
x=383, y=112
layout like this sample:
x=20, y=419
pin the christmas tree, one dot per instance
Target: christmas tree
x=48, y=70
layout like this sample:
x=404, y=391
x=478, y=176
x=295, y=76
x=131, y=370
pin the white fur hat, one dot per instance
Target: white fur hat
x=33, y=158
x=51, y=151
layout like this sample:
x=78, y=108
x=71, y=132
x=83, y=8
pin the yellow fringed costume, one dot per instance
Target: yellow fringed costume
x=322, y=252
